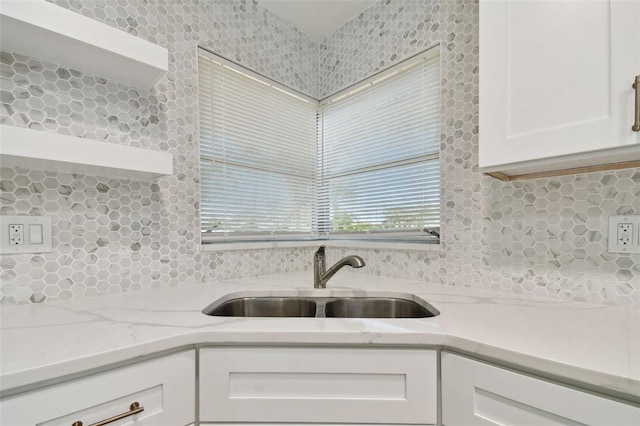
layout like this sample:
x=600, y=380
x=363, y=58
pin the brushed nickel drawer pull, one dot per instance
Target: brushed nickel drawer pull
x=134, y=408
x=636, y=85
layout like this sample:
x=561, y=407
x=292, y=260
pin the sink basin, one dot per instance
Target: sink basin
x=321, y=307
x=263, y=307
x=376, y=307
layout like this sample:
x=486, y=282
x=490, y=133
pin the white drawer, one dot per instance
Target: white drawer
x=318, y=385
x=164, y=387
x=475, y=393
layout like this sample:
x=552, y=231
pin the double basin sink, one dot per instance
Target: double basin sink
x=322, y=307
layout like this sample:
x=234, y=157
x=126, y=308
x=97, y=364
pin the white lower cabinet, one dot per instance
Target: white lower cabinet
x=318, y=385
x=312, y=386
x=476, y=393
x=164, y=387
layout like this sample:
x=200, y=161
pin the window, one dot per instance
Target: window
x=257, y=157
x=380, y=169
x=278, y=165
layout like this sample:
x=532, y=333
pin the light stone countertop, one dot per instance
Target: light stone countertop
x=593, y=346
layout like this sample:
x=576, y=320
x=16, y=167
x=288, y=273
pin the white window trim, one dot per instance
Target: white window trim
x=246, y=71
x=382, y=75
x=427, y=245
x=231, y=80
x=374, y=244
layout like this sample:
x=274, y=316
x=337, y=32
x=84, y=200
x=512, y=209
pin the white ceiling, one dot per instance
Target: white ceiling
x=317, y=18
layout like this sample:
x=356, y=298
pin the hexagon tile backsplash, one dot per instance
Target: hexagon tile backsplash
x=113, y=235
x=545, y=236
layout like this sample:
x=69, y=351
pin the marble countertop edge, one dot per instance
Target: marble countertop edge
x=592, y=346
x=20, y=381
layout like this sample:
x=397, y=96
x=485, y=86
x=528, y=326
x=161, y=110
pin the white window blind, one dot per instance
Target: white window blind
x=257, y=157
x=379, y=165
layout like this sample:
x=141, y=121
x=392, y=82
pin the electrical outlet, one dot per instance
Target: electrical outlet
x=25, y=234
x=16, y=234
x=624, y=234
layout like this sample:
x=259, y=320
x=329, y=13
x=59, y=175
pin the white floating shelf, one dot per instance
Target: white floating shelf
x=54, y=34
x=33, y=149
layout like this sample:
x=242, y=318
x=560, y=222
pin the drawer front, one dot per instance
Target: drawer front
x=332, y=385
x=475, y=393
x=164, y=387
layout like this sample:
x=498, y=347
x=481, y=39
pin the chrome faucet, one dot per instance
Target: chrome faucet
x=320, y=273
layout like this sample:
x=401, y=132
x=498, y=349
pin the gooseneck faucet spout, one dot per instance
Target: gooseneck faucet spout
x=320, y=273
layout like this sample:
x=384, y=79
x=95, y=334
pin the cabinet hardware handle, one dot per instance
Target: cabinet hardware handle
x=636, y=86
x=134, y=408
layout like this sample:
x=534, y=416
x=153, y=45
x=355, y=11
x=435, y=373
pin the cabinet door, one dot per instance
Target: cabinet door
x=318, y=385
x=555, y=80
x=479, y=394
x=164, y=387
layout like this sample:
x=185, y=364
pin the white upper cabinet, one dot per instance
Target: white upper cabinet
x=556, y=84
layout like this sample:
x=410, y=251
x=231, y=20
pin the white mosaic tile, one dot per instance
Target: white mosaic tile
x=545, y=236
x=115, y=235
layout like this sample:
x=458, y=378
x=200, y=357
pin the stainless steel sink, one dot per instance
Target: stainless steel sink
x=263, y=307
x=377, y=307
x=321, y=307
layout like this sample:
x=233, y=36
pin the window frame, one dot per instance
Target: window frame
x=402, y=239
x=411, y=237
x=239, y=237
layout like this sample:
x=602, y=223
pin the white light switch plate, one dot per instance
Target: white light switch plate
x=624, y=234
x=40, y=226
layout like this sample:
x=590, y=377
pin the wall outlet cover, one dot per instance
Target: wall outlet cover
x=15, y=234
x=624, y=234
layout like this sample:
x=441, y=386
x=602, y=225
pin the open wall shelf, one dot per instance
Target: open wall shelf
x=52, y=33
x=37, y=150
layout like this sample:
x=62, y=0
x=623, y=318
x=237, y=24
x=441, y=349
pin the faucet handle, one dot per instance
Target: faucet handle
x=319, y=267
